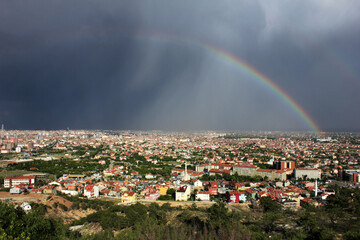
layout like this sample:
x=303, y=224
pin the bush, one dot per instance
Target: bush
x=63, y=207
x=165, y=197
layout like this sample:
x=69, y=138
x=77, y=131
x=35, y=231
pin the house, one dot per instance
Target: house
x=37, y=190
x=250, y=193
x=213, y=191
x=214, y=184
x=203, y=196
x=307, y=201
x=163, y=190
x=241, y=186
x=50, y=189
x=327, y=193
x=197, y=183
x=290, y=204
x=261, y=194
x=149, y=176
x=182, y=193
x=70, y=192
x=152, y=194
x=128, y=197
x=235, y=196
x=91, y=191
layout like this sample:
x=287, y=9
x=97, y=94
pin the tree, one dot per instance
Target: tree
x=269, y=221
x=269, y=205
x=171, y=192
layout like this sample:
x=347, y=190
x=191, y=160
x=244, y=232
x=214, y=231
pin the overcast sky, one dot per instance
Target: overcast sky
x=88, y=64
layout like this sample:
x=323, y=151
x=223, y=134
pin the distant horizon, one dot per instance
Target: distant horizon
x=184, y=131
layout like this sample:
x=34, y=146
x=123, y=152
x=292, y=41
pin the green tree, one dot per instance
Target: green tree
x=269, y=205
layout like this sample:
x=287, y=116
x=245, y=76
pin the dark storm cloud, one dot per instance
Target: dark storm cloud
x=92, y=64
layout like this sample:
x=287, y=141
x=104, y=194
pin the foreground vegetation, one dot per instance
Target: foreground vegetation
x=338, y=219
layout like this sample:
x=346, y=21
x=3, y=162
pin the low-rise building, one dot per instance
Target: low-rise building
x=128, y=197
x=182, y=193
x=10, y=182
x=235, y=196
x=50, y=190
x=290, y=204
x=91, y=191
x=203, y=196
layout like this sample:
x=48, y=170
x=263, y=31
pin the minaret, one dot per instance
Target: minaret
x=185, y=170
x=316, y=188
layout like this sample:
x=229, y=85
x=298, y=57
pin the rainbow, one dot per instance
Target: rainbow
x=225, y=56
x=248, y=69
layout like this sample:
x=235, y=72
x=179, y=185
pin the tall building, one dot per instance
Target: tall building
x=287, y=164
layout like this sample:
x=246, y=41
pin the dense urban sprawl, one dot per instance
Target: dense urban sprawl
x=293, y=170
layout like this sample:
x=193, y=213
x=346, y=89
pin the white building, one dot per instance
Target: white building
x=308, y=173
x=10, y=182
x=149, y=176
x=203, y=196
x=197, y=183
x=70, y=192
x=91, y=191
x=182, y=193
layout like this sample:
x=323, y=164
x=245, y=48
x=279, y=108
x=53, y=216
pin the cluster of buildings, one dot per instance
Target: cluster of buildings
x=283, y=170
x=289, y=195
x=287, y=166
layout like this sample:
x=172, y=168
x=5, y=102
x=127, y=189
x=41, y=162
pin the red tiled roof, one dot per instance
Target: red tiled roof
x=21, y=177
x=249, y=190
x=182, y=189
x=203, y=165
x=307, y=169
x=129, y=193
x=235, y=192
x=222, y=165
x=245, y=166
x=205, y=192
x=264, y=170
x=219, y=171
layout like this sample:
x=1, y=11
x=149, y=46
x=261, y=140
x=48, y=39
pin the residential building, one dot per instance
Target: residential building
x=182, y=193
x=203, y=196
x=128, y=197
x=235, y=196
x=91, y=191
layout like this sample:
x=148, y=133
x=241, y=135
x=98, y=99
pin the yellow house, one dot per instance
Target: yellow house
x=163, y=190
x=128, y=197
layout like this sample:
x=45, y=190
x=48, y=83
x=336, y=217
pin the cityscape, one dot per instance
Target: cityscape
x=293, y=170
